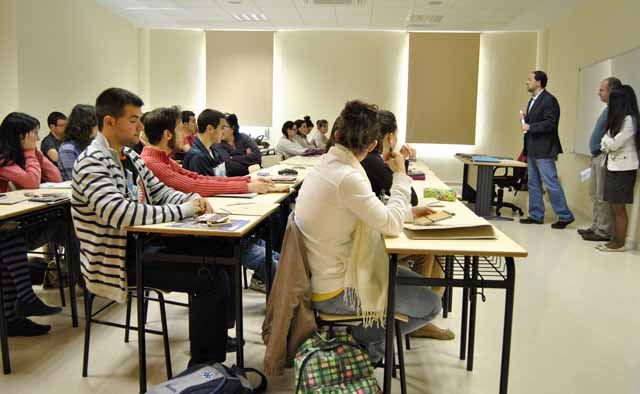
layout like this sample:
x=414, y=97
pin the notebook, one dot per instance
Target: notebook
x=485, y=159
x=239, y=195
x=13, y=198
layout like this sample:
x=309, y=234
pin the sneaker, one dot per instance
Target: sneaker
x=232, y=344
x=583, y=231
x=561, y=224
x=258, y=284
x=595, y=237
x=35, y=308
x=530, y=221
x=26, y=328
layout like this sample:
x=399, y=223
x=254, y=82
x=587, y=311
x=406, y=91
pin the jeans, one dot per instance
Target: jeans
x=253, y=258
x=602, y=214
x=544, y=171
x=419, y=303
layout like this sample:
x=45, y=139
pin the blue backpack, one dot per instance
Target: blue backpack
x=211, y=379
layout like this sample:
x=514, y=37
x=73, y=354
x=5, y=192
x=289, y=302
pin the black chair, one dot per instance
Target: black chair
x=513, y=179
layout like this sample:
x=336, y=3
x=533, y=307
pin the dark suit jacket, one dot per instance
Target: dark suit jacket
x=542, y=140
x=198, y=159
x=237, y=160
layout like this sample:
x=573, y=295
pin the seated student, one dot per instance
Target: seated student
x=381, y=177
x=21, y=167
x=238, y=151
x=620, y=144
x=289, y=144
x=113, y=189
x=336, y=206
x=163, y=129
x=50, y=144
x=201, y=158
x=81, y=128
x=318, y=137
x=190, y=129
x=303, y=133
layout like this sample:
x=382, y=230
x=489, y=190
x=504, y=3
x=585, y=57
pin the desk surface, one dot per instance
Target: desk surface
x=21, y=208
x=501, y=246
x=501, y=163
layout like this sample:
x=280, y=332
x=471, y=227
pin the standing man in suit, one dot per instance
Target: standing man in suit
x=542, y=147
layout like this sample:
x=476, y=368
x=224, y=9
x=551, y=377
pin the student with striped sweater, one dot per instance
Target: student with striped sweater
x=113, y=189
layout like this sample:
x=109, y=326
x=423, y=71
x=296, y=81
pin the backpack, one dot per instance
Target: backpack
x=331, y=363
x=211, y=379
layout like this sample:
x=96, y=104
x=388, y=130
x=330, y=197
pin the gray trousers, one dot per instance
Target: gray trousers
x=602, y=223
x=419, y=303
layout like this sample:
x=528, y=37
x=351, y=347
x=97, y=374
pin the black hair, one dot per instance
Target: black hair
x=54, y=117
x=299, y=122
x=359, y=126
x=388, y=125
x=322, y=123
x=541, y=77
x=232, y=119
x=308, y=121
x=82, y=120
x=112, y=101
x=286, y=126
x=159, y=120
x=613, y=83
x=15, y=126
x=186, y=115
x=337, y=124
x=622, y=103
x=209, y=117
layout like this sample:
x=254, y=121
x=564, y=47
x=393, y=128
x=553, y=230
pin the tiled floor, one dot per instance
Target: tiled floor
x=576, y=330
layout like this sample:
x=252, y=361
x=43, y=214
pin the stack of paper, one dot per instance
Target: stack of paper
x=463, y=225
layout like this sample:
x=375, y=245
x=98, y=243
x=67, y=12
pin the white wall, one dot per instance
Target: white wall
x=315, y=73
x=68, y=52
x=8, y=58
x=176, y=69
x=505, y=61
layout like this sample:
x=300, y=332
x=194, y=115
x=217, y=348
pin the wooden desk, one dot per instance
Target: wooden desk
x=238, y=239
x=484, y=183
x=20, y=217
x=470, y=264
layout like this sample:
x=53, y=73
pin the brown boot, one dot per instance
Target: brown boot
x=434, y=332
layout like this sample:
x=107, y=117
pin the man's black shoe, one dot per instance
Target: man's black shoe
x=530, y=221
x=26, y=328
x=595, y=237
x=560, y=224
x=35, y=308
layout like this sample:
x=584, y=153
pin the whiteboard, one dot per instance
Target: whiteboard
x=625, y=67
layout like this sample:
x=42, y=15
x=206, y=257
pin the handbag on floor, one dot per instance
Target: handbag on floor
x=330, y=363
x=212, y=379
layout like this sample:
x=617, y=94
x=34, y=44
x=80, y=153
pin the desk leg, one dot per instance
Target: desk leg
x=389, y=325
x=508, y=321
x=71, y=254
x=4, y=343
x=450, y=298
x=269, y=255
x=465, y=311
x=238, y=301
x=472, y=314
x=142, y=350
x=466, y=189
x=484, y=191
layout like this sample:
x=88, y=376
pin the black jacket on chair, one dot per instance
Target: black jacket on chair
x=542, y=140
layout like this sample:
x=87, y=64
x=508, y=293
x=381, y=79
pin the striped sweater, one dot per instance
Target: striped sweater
x=174, y=176
x=105, y=199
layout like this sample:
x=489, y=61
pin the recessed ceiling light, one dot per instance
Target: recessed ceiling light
x=435, y=2
x=234, y=2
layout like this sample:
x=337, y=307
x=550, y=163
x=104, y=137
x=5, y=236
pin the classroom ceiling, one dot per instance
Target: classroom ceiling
x=439, y=15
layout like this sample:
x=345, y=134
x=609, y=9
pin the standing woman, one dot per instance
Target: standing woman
x=22, y=166
x=81, y=128
x=620, y=144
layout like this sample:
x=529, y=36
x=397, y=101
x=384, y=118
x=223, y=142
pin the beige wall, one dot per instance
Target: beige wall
x=317, y=72
x=594, y=31
x=68, y=52
x=8, y=58
x=505, y=61
x=177, y=69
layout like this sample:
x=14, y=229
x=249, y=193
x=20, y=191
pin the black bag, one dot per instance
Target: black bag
x=211, y=379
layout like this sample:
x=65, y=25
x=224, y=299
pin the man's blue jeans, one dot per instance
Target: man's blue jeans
x=253, y=258
x=544, y=171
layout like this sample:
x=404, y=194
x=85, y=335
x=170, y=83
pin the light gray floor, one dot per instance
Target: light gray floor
x=576, y=330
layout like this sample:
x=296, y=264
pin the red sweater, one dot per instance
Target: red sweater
x=173, y=175
x=37, y=169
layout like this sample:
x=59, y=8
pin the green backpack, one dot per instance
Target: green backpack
x=332, y=363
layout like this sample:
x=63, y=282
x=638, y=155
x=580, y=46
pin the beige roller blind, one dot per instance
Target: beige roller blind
x=240, y=74
x=443, y=87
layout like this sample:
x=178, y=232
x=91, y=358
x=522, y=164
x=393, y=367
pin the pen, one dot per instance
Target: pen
x=240, y=203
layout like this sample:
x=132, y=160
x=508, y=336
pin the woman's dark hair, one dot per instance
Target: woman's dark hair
x=622, y=103
x=322, y=123
x=286, y=126
x=308, y=121
x=299, y=123
x=337, y=124
x=80, y=125
x=13, y=127
x=388, y=125
x=360, y=126
x=232, y=119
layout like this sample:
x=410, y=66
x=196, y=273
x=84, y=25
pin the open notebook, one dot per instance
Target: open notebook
x=463, y=225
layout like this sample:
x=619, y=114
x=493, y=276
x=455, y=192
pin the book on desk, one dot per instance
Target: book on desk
x=464, y=225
